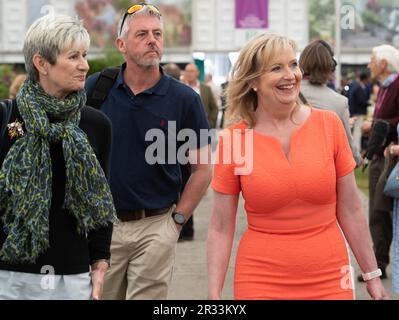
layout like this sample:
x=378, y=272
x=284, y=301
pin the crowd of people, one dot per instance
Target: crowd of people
x=101, y=192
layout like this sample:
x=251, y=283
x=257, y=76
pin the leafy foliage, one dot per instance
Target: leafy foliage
x=123, y=4
x=7, y=75
x=112, y=58
x=362, y=180
x=321, y=19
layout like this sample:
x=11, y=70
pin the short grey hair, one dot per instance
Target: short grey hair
x=49, y=36
x=388, y=53
x=145, y=11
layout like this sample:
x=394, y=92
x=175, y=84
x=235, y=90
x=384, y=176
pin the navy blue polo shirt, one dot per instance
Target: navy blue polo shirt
x=144, y=171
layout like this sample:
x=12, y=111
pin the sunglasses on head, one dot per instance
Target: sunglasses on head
x=137, y=7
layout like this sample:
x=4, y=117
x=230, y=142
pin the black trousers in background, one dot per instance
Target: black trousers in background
x=380, y=222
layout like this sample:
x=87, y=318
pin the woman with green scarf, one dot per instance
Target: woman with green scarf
x=56, y=209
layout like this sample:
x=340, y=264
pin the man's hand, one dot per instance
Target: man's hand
x=178, y=227
x=352, y=121
x=98, y=270
x=366, y=127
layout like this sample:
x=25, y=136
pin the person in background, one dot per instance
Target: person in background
x=393, y=151
x=318, y=63
x=146, y=185
x=173, y=70
x=56, y=207
x=216, y=90
x=384, y=66
x=358, y=103
x=16, y=84
x=187, y=232
x=298, y=184
x=191, y=74
x=223, y=104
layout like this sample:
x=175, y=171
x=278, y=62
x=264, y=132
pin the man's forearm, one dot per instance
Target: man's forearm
x=194, y=190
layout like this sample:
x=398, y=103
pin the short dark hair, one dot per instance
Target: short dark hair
x=317, y=62
x=173, y=70
x=364, y=75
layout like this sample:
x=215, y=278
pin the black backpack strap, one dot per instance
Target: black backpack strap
x=102, y=87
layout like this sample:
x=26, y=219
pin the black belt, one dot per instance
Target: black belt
x=124, y=215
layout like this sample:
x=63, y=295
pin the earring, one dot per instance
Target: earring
x=255, y=89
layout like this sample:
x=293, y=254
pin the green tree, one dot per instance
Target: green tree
x=112, y=58
x=321, y=19
x=123, y=4
x=7, y=75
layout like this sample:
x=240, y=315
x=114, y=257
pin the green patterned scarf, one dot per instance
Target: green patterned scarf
x=26, y=176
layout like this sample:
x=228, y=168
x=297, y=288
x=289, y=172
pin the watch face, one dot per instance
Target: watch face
x=179, y=218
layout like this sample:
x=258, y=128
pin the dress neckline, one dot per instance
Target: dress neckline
x=304, y=124
x=288, y=158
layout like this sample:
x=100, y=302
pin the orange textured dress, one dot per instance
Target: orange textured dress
x=293, y=247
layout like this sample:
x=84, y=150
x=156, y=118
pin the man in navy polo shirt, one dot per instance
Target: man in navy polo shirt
x=155, y=119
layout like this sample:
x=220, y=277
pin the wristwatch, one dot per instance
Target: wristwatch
x=371, y=275
x=179, y=218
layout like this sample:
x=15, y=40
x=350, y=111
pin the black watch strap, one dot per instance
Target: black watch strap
x=179, y=218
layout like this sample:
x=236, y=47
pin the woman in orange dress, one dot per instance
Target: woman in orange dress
x=294, y=168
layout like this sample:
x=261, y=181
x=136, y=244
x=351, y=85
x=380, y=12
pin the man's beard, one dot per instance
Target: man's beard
x=147, y=61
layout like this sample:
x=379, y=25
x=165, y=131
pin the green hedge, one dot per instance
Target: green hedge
x=7, y=75
x=112, y=58
x=362, y=180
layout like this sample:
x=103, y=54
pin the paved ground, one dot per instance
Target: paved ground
x=190, y=276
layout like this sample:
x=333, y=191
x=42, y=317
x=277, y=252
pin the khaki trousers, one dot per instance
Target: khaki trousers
x=142, y=258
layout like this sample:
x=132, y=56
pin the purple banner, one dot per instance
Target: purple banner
x=252, y=14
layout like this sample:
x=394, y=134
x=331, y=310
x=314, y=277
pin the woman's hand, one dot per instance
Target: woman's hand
x=376, y=290
x=98, y=270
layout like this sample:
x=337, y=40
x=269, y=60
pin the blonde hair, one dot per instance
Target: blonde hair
x=16, y=84
x=256, y=55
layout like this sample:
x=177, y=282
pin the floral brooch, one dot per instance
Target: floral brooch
x=15, y=129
